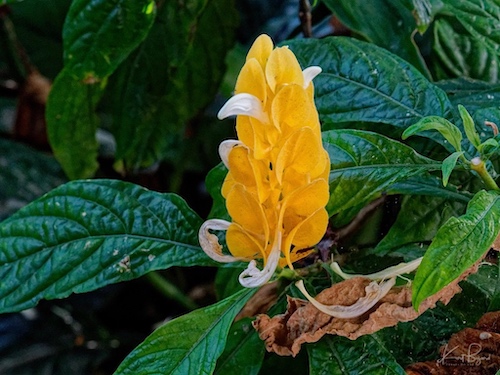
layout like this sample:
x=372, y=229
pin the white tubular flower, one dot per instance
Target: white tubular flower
x=252, y=277
x=389, y=272
x=210, y=243
x=243, y=104
x=374, y=292
x=309, y=74
x=225, y=147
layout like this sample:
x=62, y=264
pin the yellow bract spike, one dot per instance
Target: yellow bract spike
x=276, y=189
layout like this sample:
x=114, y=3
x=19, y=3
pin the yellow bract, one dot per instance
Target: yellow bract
x=276, y=189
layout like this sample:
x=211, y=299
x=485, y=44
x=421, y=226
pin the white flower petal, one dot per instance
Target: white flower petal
x=252, y=277
x=309, y=74
x=243, y=104
x=374, y=292
x=389, y=272
x=210, y=243
x=225, y=147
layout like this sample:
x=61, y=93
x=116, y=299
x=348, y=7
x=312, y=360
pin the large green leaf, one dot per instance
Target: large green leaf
x=418, y=221
x=366, y=164
x=72, y=124
x=99, y=34
x=188, y=345
x=244, y=351
x=458, y=244
x=429, y=185
x=25, y=174
x=473, y=94
x=456, y=53
x=335, y=355
x=480, y=18
x=172, y=75
x=387, y=23
x=87, y=234
x=363, y=82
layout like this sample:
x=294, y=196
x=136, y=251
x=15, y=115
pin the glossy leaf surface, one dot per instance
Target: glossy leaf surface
x=458, y=244
x=87, y=234
x=188, y=345
x=363, y=82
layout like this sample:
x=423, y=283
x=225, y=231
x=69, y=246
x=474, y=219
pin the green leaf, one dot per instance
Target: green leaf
x=365, y=165
x=429, y=185
x=449, y=131
x=392, y=29
x=456, y=53
x=458, y=245
x=449, y=164
x=227, y=282
x=214, y=180
x=367, y=355
x=418, y=221
x=363, y=82
x=471, y=93
x=173, y=75
x=480, y=18
x=469, y=127
x=88, y=234
x=244, y=351
x=25, y=174
x=188, y=345
x=72, y=124
x=99, y=34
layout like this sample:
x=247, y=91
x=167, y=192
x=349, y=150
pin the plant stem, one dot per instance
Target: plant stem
x=479, y=166
x=170, y=290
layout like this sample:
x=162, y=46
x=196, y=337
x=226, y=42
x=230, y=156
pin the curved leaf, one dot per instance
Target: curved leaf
x=367, y=355
x=456, y=53
x=244, y=351
x=72, y=124
x=392, y=28
x=214, y=180
x=480, y=18
x=458, y=244
x=173, y=74
x=450, y=132
x=188, y=345
x=473, y=94
x=418, y=221
x=25, y=174
x=87, y=234
x=99, y=34
x=449, y=165
x=363, y=82
x=366, y=164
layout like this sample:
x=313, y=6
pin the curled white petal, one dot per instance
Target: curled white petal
x=225, y=147
x=309, y=74
x=243, y=104
x=374, y=292
x=389, y=272
x=210, y=243
x=252, y=277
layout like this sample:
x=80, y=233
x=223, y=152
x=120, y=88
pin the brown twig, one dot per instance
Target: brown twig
x=305, y=18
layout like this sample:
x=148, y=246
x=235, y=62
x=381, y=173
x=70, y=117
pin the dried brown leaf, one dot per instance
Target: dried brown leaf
x=468, y=352
x=303, y=323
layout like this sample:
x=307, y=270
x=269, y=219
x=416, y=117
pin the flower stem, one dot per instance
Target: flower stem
x=169, y=290
x=479, y=166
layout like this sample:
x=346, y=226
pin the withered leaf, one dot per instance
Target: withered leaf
x=469, y=352
x=303, y=323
